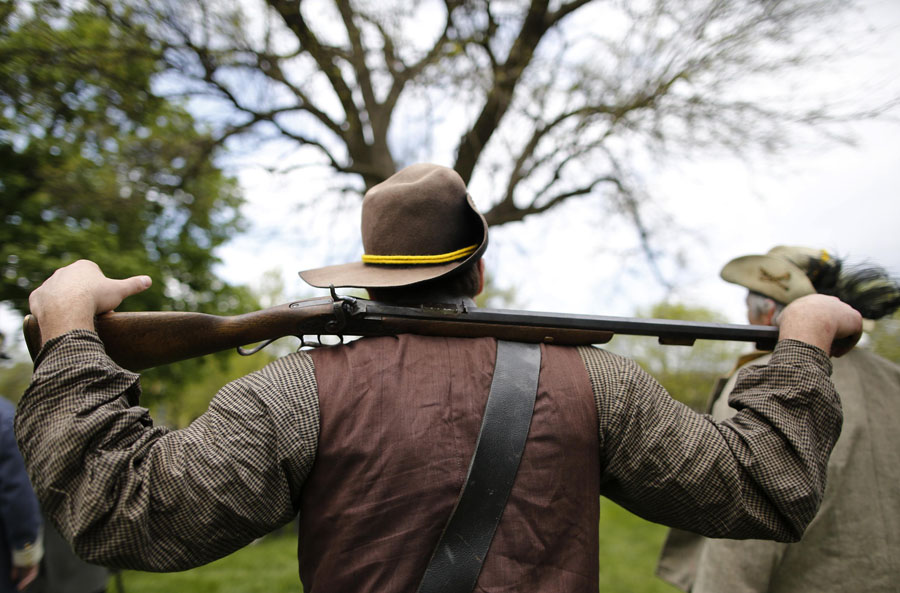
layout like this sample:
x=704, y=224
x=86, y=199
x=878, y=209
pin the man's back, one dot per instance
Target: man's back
x=399, y=421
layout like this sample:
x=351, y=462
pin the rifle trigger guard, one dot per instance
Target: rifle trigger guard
x=321, y=343
x=251, y=351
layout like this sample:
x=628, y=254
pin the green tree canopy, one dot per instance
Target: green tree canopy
x=94, y=165
x=885, y=338
x=688, y=373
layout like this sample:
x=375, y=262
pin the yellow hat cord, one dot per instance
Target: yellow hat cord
x=440, y=258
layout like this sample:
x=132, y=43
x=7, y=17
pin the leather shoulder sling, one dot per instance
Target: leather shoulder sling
x=456, y=562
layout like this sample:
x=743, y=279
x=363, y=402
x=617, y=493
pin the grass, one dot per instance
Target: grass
x=268, y=566
x=629, y=547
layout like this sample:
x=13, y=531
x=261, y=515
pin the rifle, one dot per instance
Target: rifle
x=138, y=341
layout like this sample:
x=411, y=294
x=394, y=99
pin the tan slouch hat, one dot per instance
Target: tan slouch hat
x=781, y=274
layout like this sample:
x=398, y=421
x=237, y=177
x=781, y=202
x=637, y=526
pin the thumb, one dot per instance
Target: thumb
x=131, y=286
x=134, y=285
x=118, y=290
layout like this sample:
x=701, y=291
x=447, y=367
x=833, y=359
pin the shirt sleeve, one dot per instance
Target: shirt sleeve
x=760, y=474
x=129, y=494
x=20, y=516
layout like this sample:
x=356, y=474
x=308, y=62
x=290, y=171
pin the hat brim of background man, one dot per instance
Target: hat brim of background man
x=769, y=275
x=422, y=213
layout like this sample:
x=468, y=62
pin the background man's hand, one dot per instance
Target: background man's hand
x=23, y=576
x=822, y=321
x=73, y=295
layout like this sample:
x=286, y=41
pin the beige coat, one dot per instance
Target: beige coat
x=853, y=544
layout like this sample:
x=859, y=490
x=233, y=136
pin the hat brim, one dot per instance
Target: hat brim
x=363, y=275
x=360, y=275
x=771, y=276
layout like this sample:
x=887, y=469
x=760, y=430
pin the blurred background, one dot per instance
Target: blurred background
x=622, y=151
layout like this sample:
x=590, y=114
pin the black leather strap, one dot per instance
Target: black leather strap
x=457, y=559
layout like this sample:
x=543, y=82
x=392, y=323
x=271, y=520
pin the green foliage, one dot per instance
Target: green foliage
x=267, y=566
x=629, y=548
x=885, y=338
x=94, y=165
x=14, y=379
x=688, y=373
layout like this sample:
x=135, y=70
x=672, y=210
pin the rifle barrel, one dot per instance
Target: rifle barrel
x=669, y=331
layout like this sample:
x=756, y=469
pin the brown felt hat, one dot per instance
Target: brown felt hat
x=417, y=225
x=781, y=274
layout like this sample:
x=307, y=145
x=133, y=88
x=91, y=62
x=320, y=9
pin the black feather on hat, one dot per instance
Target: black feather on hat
x=786, y=273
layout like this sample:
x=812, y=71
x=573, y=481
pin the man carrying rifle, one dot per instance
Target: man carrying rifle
x=372, y=442
x=853, y=544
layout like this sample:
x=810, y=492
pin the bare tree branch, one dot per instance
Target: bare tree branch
x=326, y=58
x=499, y=97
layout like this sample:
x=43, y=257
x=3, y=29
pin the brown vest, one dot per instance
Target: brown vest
x=399, y=420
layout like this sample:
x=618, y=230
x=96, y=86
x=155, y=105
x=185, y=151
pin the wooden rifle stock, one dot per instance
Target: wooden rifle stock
x=138, y=341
